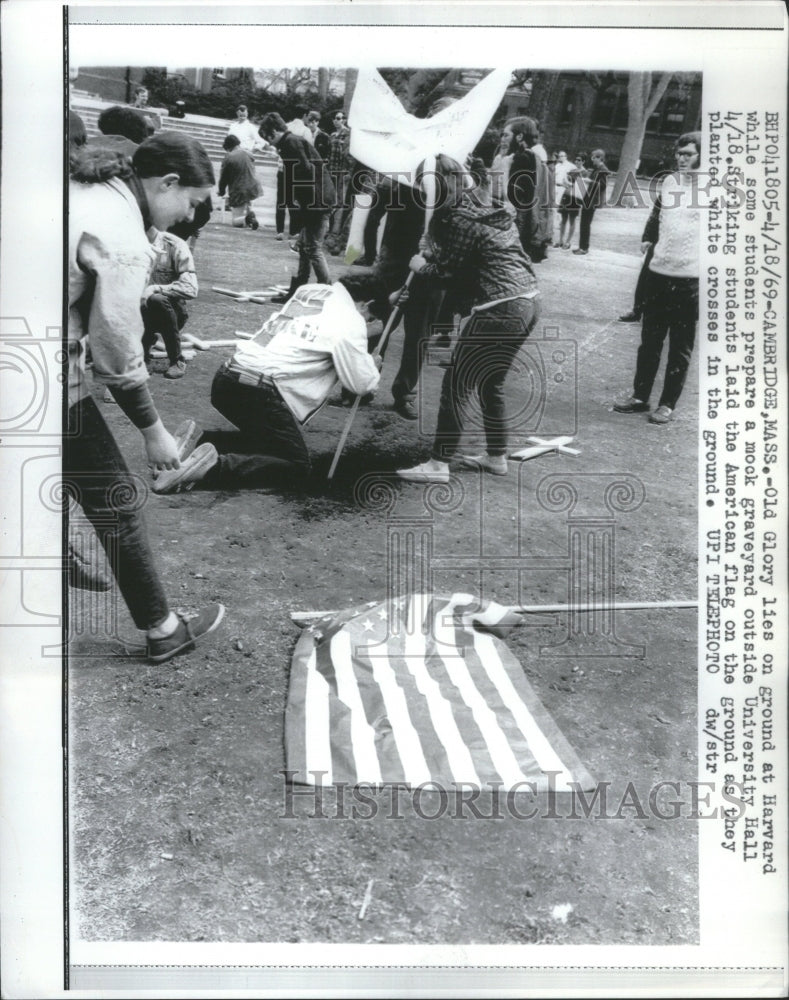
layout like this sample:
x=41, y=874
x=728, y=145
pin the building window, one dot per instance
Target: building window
x=610, y=109
x=669, y=116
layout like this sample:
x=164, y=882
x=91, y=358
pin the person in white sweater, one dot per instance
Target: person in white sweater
x=671, y=306
x=272, y=386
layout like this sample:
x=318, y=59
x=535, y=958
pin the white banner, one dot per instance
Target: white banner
x=388, y=139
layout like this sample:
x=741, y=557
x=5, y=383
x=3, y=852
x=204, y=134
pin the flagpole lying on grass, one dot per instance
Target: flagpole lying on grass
x=306, y=617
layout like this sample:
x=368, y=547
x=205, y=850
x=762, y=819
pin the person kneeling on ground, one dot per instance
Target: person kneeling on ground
x=172, y=282
x=272, y=386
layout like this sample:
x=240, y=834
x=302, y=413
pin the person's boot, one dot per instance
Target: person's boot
x=280, y=300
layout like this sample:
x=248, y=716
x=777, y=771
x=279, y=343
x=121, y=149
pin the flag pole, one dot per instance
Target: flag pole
x=305, y=617
x=428, y=180
x=391, y=323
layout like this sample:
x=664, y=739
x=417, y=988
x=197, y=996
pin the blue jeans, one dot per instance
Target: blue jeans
x=314, y=226
x=482, y=358
x=268, y=448
x=96, y=475
x=166, y=315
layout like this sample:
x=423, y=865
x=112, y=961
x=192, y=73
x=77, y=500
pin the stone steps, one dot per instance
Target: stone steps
x=210, y=132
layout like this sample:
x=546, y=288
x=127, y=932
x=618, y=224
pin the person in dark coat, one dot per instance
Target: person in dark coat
x=320, y=139
x=308, y=185
x=237, y=177
x=528, y=189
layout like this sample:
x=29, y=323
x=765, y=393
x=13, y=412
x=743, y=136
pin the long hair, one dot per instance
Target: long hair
x=272, y=122
x=527, y=127
x=174, y=153
x=97, y=164
x=445, y=167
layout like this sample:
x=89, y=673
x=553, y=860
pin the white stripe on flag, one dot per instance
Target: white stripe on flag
x=446, y=729
x=539, y=744
x=501, y=753
x=317, y=738
x=409, y=747
x=365, y=755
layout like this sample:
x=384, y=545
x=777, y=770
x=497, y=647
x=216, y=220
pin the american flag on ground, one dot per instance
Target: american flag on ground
x=420, y=689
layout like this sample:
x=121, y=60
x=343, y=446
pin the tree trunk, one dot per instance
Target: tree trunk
x=323, y=83
x=642, y=99
x=351, y=75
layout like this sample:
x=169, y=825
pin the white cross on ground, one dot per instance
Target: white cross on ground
x=541, y=446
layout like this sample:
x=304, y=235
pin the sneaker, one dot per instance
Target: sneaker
x=178, y=370
x=662, y=415
x=427, y=472
x=190, y=628
x=631, y=405
x=195, y=468
x=83, y=574
x=580, y=253
x=279, y=237
x=494, y=464
x=406, y=409
x=565, y=246
x=185, y=438
x=630, y=317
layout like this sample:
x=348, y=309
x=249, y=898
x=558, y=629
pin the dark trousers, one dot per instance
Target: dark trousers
x=314, y=226
x=425, y=310
x=166, y=315
x=484, y=354
x=268, y=448
x=585, y=228
x=96, y=475
x=642, y=285
x=282, y=207
x=671, y=309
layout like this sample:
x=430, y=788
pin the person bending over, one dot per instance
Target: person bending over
x=273, y=386
x=111, y=205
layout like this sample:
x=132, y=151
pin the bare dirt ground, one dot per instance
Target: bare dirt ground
x=177, y=804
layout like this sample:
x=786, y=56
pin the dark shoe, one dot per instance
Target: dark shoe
x=280, y=300
x=631, y=405
x=251, y=221
x=406, y=409
x=190, y=629
x=662, y=415
x=83, y=574
x=630, y=317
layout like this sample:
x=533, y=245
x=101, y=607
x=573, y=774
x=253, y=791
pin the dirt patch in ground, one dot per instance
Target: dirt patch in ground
x=181, y=825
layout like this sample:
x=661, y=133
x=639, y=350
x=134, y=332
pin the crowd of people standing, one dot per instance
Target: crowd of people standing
x=474, y=260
